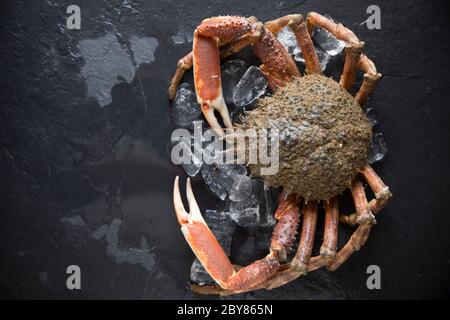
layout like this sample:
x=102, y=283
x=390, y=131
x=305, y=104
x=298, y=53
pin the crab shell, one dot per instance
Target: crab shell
x=323, y=136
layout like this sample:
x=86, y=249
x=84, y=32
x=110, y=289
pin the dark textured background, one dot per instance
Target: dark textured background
x=62, y=155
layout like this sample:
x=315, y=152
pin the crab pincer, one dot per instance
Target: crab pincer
x=213, y=258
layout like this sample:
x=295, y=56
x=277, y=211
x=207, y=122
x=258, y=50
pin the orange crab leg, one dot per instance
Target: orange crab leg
x=352, y=56
x=300, y=261
x=330, y=236
x=211, y=255
x=337, y=29
x=364, y=215
x=208, y=86
x=200, y=238
x=206, y=62
x=285, y=230
x=183, y=65
x=278, y=66
x=371, y=76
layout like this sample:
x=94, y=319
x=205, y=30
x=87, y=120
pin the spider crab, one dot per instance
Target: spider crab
x=218, y=37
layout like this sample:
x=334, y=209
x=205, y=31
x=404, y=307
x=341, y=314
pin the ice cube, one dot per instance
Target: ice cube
x=199, y=275
x=370, y=114
x=228, y=179
x=323, y=57
x=246, y=212
x=232, y=71
x=271, y=196
x=233, y=168
x=378, y=149
x=213, y=179
x=327, y=41
x=287, y=38
x=267, y=202
x=185, y=108
x=193, y=159
x=241, y=188
x=222, y=226
x=251, y=86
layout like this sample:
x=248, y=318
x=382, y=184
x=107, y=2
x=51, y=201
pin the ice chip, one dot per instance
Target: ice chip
x=287, y=38
x=246, y=212
x=251, y=86
x=227, y=180
x=232, y=71
x=222, y=226
x=185, y=108
x=323, y=57
x=241, y=188
x=327, y=41
x=214, y=180
x=267, y=202
x=199, y=275
x=378, y=149
x=194, y=161
x=233, y=169
x=370, y=114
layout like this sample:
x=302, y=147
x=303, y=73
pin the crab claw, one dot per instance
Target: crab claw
x=200, y=238
x=208, y=85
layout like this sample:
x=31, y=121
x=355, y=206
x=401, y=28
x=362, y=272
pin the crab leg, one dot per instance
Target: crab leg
x=352, y=56
x=364, y=209
x=206, y=62
x=288, y=272
x=381, y=191
x=283, y=236
x=183, y=65
x=213, y=258
x=300, y=261
x=208, y=86
x=356, y=241
x=276, y=25
x=329, y=244
x=278, y=66
x=306, y=45
x=226, y=50
x=371, y=77
x=353, y=50
x=364, y=215
x=337, y=29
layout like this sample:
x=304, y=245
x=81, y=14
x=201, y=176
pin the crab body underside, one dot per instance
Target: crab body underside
x=344, y=163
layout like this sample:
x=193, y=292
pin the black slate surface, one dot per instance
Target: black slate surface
x=73, y=171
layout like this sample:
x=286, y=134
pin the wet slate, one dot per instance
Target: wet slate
x=86, y=176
